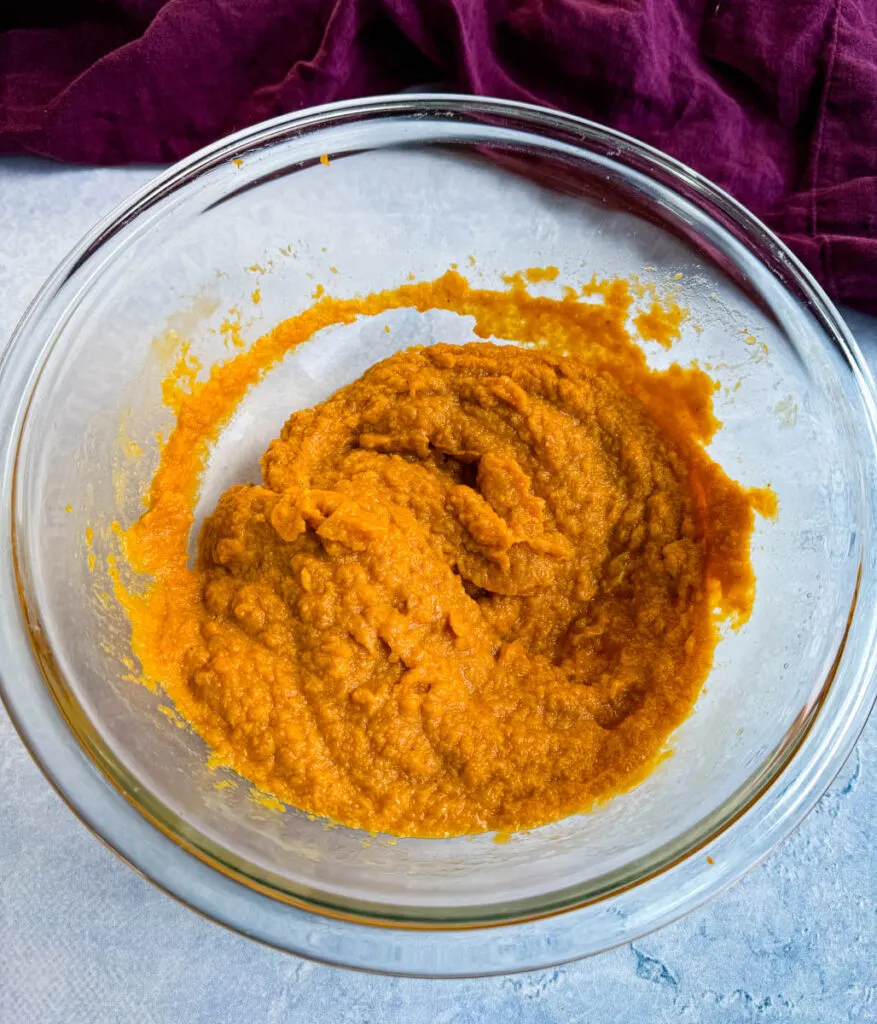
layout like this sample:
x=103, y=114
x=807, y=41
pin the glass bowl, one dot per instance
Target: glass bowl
x=413, y=185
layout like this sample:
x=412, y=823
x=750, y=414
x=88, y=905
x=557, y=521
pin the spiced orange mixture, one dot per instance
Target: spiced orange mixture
x=476, y=589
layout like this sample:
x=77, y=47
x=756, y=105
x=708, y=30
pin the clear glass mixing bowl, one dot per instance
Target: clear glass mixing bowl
x=413, y=185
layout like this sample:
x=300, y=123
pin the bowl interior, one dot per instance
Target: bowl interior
x=403, y=197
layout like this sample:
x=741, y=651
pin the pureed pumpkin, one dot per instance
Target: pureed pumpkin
x=477, y=588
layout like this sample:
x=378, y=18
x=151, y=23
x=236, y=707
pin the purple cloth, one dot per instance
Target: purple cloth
x=775, y=100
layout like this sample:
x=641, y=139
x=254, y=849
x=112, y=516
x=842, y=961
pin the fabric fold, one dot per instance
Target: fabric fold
x=774, y=100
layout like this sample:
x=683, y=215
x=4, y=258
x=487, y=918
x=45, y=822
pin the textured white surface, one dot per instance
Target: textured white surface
x=84, y=939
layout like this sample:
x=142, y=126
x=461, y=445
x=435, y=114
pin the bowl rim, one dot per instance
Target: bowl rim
x=95, y=798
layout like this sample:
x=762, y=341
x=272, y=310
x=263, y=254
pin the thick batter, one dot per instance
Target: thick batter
x=477, y=588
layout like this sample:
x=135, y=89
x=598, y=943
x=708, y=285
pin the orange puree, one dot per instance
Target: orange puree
x=476, y=589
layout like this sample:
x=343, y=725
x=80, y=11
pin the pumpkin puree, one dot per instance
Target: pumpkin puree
x=476, y=589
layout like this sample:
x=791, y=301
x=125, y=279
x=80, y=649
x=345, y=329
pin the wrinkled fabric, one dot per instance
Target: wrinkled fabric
x=775, y=100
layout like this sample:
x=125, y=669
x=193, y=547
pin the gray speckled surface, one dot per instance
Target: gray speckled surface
x=84, y=939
